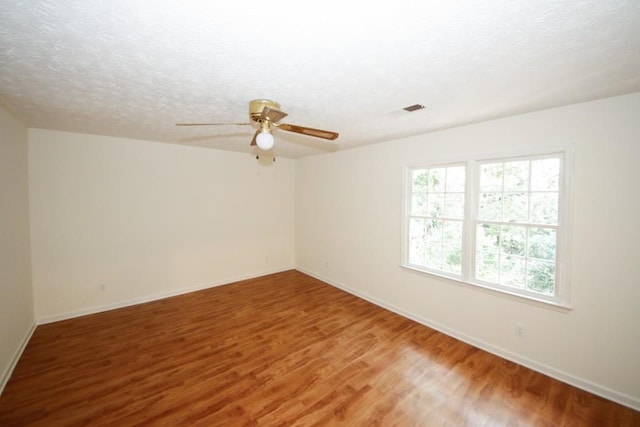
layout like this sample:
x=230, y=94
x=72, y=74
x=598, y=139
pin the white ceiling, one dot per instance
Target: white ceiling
x=135, y=68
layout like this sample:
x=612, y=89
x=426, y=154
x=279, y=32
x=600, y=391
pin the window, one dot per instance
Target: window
x=495, y=223
x=436, y=220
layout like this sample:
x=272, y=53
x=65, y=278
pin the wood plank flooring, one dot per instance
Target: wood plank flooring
x=280, y=350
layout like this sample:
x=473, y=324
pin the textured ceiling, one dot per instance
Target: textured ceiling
x=135, y=68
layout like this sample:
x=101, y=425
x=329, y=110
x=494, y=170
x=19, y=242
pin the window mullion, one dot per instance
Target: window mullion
x=470, y=215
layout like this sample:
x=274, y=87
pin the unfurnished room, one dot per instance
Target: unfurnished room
x=247, y=213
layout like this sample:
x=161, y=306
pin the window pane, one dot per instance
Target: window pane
x=516, y=176
x=452, y=241
x=436, y=180
x=419, y=179
x=516, y=207
x=434, y=256
x=541, y=277
x=419, y=204
x=455, y=179
x=433, y=232
x=545, y=174
x=490, y=206
x=542, y=243
x=488, y=238
x=491, y=177
x=544, y=208
x=417, y=237
x=487, y=267
x=513, y=240
x=512, y=271
x=452, y=233
x=435, y=205
x=454, y=205
x=452, y=260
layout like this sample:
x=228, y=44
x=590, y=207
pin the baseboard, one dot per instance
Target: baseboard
x=16, y=356
x=152, y=297
x=580, y=383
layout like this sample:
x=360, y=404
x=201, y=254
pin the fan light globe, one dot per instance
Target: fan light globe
x=265, y=140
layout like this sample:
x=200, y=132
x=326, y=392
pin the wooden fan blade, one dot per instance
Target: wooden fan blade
x=319, y=133
x=212, y=124
x=272, y=114
x=253, y=140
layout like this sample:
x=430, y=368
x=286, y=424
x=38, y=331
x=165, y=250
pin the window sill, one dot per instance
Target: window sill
x=540, y=302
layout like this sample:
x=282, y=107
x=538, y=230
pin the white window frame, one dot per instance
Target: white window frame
x=472, y=191
x=443, y=218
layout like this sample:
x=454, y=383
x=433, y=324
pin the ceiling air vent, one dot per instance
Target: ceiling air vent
x=414, y=107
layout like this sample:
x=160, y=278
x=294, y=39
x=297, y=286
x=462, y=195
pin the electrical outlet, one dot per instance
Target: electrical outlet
x=519, y=330
x=103, y=287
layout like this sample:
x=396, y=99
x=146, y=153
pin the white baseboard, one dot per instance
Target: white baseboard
x=602, y=391
x=152, y=297
x=16, y=356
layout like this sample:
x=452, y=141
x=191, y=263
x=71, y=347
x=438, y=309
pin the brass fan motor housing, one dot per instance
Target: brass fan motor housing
x=257, y=105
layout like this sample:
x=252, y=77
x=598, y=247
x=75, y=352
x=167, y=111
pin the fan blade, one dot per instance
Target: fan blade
x=319, y=133
x=253, y=140
x=272, y=115
x=212, y=124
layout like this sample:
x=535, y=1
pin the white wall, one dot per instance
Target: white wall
x=348, y=225
x=149, y=220
x=16, y=307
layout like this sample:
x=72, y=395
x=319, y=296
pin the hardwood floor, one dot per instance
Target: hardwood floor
x=280, y=350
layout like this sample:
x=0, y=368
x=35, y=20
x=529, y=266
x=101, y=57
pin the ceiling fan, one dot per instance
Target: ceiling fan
x=266, y=114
